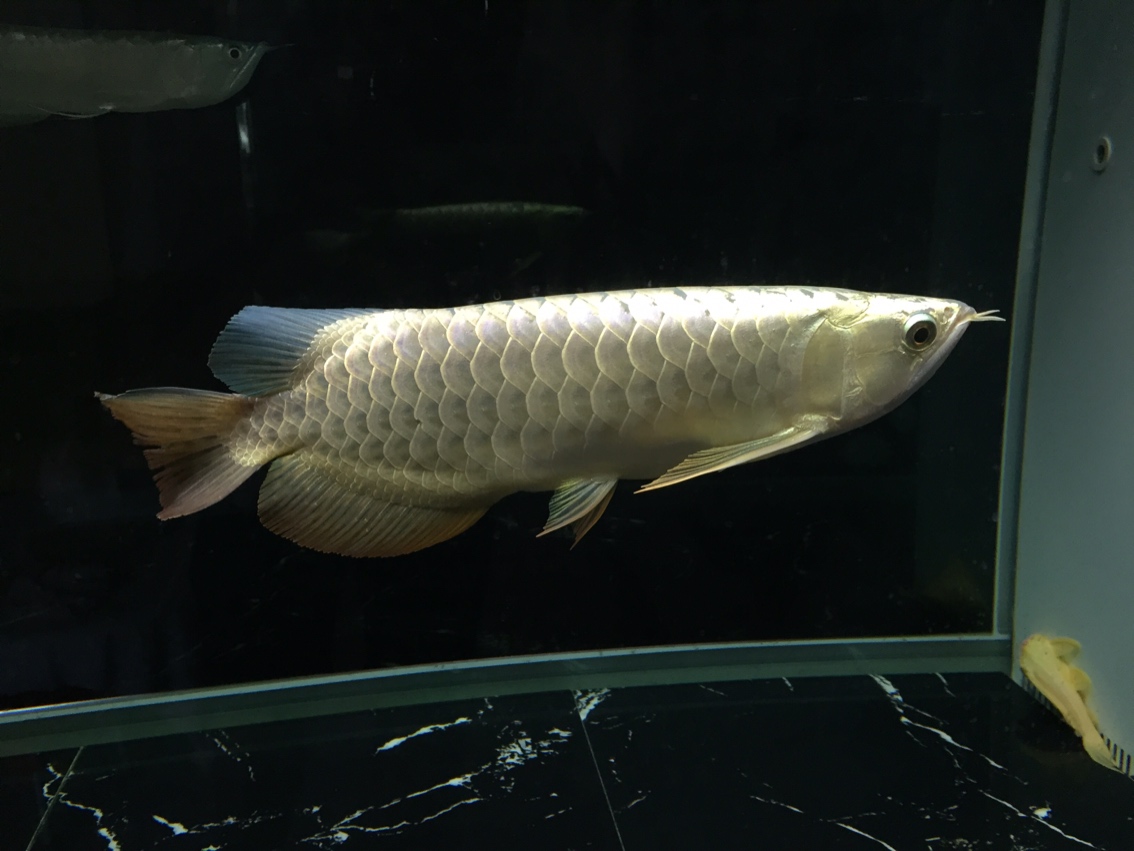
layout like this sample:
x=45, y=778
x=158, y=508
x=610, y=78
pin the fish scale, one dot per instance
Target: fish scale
x=403, y=426
x=593, y=356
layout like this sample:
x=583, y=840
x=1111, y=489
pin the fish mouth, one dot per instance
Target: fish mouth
x=969, y=315
x=953, y=333
x=965, y=316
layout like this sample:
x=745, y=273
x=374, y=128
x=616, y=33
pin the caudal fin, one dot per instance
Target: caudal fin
x=188, y=434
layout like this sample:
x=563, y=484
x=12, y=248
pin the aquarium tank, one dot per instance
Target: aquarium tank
x=546, y=424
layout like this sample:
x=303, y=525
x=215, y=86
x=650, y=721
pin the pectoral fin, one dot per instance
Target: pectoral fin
x=580, y=502
x=723, y=457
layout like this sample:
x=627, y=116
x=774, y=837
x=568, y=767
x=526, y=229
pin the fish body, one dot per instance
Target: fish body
x=476, y=215
x=524, y=219
x=487, y=211
x=1046, y=662
x=388, y=431
x=81, y=73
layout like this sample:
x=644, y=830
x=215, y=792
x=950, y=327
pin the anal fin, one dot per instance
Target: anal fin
x=579, y=503
x=306, y=503
x=722, y=457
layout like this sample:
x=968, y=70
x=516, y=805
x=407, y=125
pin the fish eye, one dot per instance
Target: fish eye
x=919, y=332
x=234, y=53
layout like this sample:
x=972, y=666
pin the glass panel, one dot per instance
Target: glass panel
x=879, y=146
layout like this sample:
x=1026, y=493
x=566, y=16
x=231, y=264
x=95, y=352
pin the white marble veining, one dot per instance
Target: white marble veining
x=423, y=731
x=586, y=701
x=367, y=782
x=492, y=778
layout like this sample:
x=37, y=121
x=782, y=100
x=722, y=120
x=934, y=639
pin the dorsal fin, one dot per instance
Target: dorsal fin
x=259, y=349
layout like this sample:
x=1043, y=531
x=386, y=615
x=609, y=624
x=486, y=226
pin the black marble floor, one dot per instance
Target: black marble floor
x=910, y=762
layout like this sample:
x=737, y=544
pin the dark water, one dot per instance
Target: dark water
x=875, y=145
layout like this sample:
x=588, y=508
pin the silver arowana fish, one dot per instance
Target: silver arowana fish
x=477, y=217
x=81, y=73
x=389, y=431
x=483, y=213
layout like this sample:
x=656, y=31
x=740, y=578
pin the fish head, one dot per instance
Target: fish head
x=887, y=347
x=223, y=68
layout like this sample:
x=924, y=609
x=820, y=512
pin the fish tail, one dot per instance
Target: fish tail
x=1098, y=751
x=188, y=434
